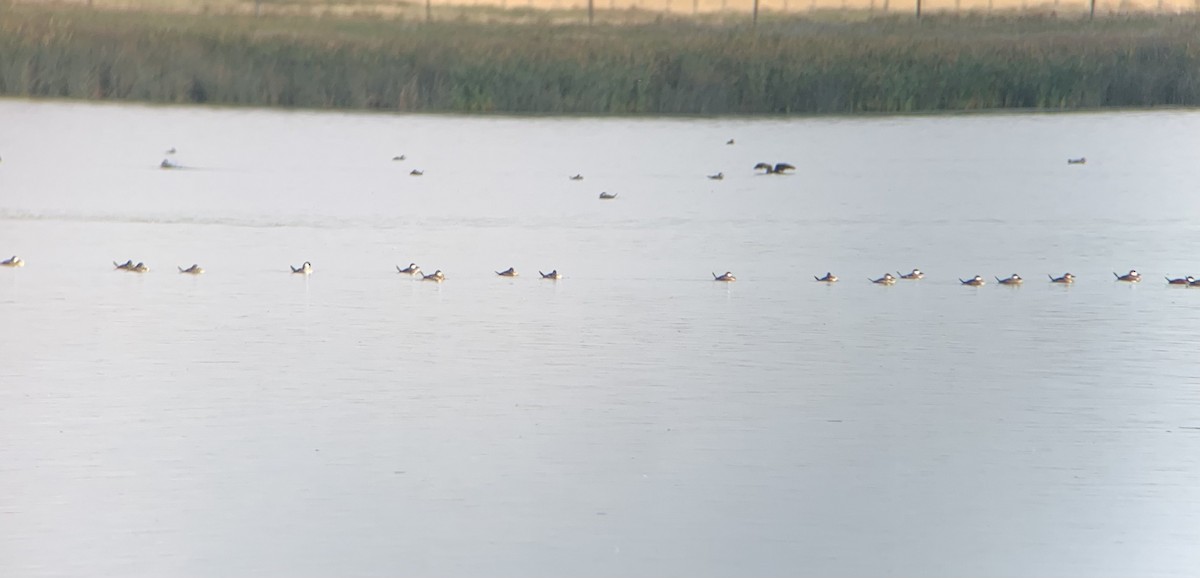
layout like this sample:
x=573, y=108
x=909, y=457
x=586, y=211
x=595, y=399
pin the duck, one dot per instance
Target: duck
x=887, y=279
x=1131, y=277
x=1195, y=283
x=975, y=281
x=1078, y=161
x=436, y=276
x=576, y=177
x=729, y=142
x=914, y=275
x=124, y=266
x=551, y=275
x=411, y=269
x=398, y=158
x=193, y=270
x=415, y=173
x=510, y=272
x=305, y=269
x=717, y=177
x=726, y=277
x=167, y=164
x=1066, y=278
x=1185, y=281
x=777, y=169
x=1013, y=279
x=828, y=278
x=139, y=268
x=13, y=261
x=171, y=151
x=608, y=195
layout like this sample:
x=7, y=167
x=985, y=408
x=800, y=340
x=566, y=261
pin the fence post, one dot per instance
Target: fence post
x=919, y=9
x=756, y=12
x=428, y=11
x=1092, y=13
x=591, y=11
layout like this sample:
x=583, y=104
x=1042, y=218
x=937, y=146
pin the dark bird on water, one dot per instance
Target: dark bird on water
x=778, y=169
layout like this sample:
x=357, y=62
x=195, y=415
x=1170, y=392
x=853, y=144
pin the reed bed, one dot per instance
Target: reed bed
x=672, y=66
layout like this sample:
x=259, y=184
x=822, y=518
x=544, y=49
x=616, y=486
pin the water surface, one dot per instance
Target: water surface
x=632, y=419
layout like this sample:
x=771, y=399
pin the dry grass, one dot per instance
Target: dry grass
x=620, y=10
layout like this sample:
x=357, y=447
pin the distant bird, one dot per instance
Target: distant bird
x=726, y=277
x=1130, y=277
x=576, y=178
x=608, y=195
x=912, y=276
x=13, y=261
x=1078, y=161
x=193, y=270
x=1066, y=278
x=171, y=151
x=778, y=169
x=551, y=275
x=305, y=269
x=729, y=142
x=415, y=173
x=975, y=281
x=123, y=266
x=436, y=276
x=1013, y=279
x=1186, y=281
x=411, y=269
x=140, y=268
x=510, y=272
x=887, y=279
x=167, y=164
x=399, y=158
x=717, y=177
x=828, y=278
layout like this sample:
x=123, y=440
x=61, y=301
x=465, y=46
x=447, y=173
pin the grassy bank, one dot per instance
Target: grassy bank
x=888, y=64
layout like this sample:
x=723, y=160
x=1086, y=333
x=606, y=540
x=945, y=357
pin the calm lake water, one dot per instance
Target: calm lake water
x=633, y=419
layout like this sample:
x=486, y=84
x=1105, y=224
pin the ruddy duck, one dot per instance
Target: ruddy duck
x=608, y=195
x=1066, y=278
x=411, y=269
x=510, y=272
x=1185, y=281
x=1078, y=161
x=167, y=164
x=436, y=276
x=717, y=177
x=193, y=270
x=398, y=158
x=577, y=178
x=139, y=268
x=726, y=277
x=13, y=261
x=916, y=274
x=975, y=281
x=1130, y=277
x=551, y=275
x=887, y=279
x=124, y=266
x=778, y=169
x=415, y=173
x=1013, y=279
x=305, y=269
x=729, y=142
x=828, y=278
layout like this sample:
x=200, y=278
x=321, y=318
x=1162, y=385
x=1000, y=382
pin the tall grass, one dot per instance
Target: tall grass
x=672, y=67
